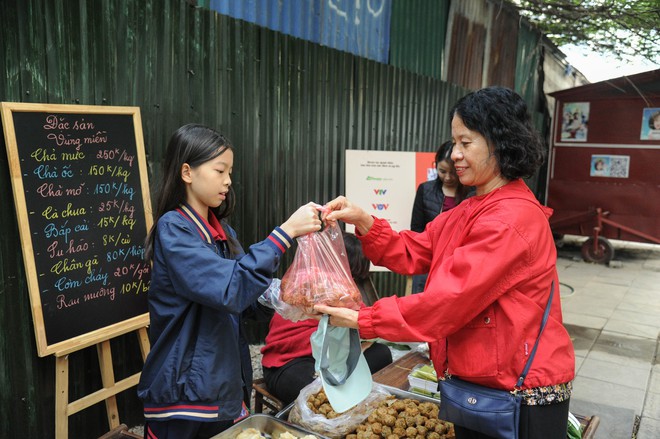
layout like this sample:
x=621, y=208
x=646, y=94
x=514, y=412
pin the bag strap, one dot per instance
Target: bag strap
x=543, y=322
x=354, y=352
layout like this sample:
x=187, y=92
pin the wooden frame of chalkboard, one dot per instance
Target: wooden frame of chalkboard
x=81, y=192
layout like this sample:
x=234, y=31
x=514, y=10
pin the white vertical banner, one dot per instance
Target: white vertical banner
x=383, y=183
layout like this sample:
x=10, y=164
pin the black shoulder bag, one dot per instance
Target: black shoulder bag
x=488, y=411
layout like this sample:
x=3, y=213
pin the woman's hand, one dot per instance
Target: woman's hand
x=303, y=221
x=344, y=317
x=342, y=209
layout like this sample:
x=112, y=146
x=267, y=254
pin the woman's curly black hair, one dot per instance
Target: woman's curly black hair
x=500, y=115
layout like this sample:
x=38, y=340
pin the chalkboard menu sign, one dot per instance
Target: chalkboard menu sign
x=82, y=202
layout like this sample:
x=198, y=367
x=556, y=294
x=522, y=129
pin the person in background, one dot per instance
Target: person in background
x=491, y=263
x=287, y=362
x=436, y=196
x=193, y=381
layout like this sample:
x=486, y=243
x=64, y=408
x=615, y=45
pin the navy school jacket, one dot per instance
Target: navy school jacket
x=196, y=295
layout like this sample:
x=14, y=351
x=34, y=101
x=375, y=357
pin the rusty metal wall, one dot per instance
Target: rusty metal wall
x=468, y=33
x=291, y=107
x=503, y=48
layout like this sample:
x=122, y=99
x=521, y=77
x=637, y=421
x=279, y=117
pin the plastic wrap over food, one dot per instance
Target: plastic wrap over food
x=312, y=411
x=320, y=273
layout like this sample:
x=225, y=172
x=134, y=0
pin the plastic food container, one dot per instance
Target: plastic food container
x=398, y=393
x=269, y=426
x=401, y=394
x=423, y=380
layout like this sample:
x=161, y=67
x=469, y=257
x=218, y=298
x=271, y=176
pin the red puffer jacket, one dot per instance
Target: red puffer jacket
x=491, y=261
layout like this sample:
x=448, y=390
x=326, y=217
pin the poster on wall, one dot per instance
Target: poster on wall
x=613, y=166
x=384, y=183
x=650, y=124
x=575, y=121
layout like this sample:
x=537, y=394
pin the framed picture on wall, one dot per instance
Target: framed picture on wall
x=575, y=121
x=612, y=166
x=650, y=124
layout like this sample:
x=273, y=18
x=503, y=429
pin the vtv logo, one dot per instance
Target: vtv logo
x=380, y=191
x=380, y=206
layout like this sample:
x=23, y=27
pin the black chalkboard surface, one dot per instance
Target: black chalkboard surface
x=82, y=201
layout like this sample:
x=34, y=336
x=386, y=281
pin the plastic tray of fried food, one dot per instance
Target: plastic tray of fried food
x=263, y=426
x=400, y=394
x=447, y=429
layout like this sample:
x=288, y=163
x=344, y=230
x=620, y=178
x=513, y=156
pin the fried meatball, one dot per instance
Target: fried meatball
x=401, y=432
x=412, y=410
x=389, y=420
x=398, y=405
x=431, y=423
x=410, y=420
x=376, y=427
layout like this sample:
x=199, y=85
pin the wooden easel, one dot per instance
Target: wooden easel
x=64, y=408
x=95, y=136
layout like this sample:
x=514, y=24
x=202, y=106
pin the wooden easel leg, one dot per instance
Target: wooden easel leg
x=61, y=397
x=108, y=379
x=143, y=339
x=409, y=282
x=64, y=408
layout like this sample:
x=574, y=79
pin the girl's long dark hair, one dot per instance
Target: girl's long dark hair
x=444, y=154
x=193, y=144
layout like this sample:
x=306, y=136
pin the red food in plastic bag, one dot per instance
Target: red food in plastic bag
x=320, y=273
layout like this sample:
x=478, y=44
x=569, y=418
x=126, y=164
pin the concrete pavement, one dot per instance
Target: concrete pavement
x=613, y=316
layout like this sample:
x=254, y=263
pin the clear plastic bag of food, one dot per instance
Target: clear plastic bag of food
x=312, y=411
x=320, y=273
x=271, y=299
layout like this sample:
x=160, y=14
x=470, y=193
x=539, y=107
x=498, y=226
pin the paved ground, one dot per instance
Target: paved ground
x=613, y=315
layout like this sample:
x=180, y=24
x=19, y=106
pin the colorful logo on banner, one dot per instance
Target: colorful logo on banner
x=385, y=182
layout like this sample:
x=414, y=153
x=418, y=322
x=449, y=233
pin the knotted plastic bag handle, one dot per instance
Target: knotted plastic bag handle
x=355, y=349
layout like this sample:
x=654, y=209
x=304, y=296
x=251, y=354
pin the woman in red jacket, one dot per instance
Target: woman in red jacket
x=491, y=262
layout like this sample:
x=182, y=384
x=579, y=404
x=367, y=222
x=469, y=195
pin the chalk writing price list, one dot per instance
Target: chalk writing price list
x=86, y=216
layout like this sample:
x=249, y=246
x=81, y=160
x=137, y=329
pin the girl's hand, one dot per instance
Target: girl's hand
x=342, y=209
x=344, y=317
x=303, y=221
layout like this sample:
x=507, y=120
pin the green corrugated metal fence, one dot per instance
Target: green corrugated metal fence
x=418, y=34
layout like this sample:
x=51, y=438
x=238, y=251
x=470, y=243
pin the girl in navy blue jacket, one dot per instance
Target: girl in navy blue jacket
x=193, y=381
